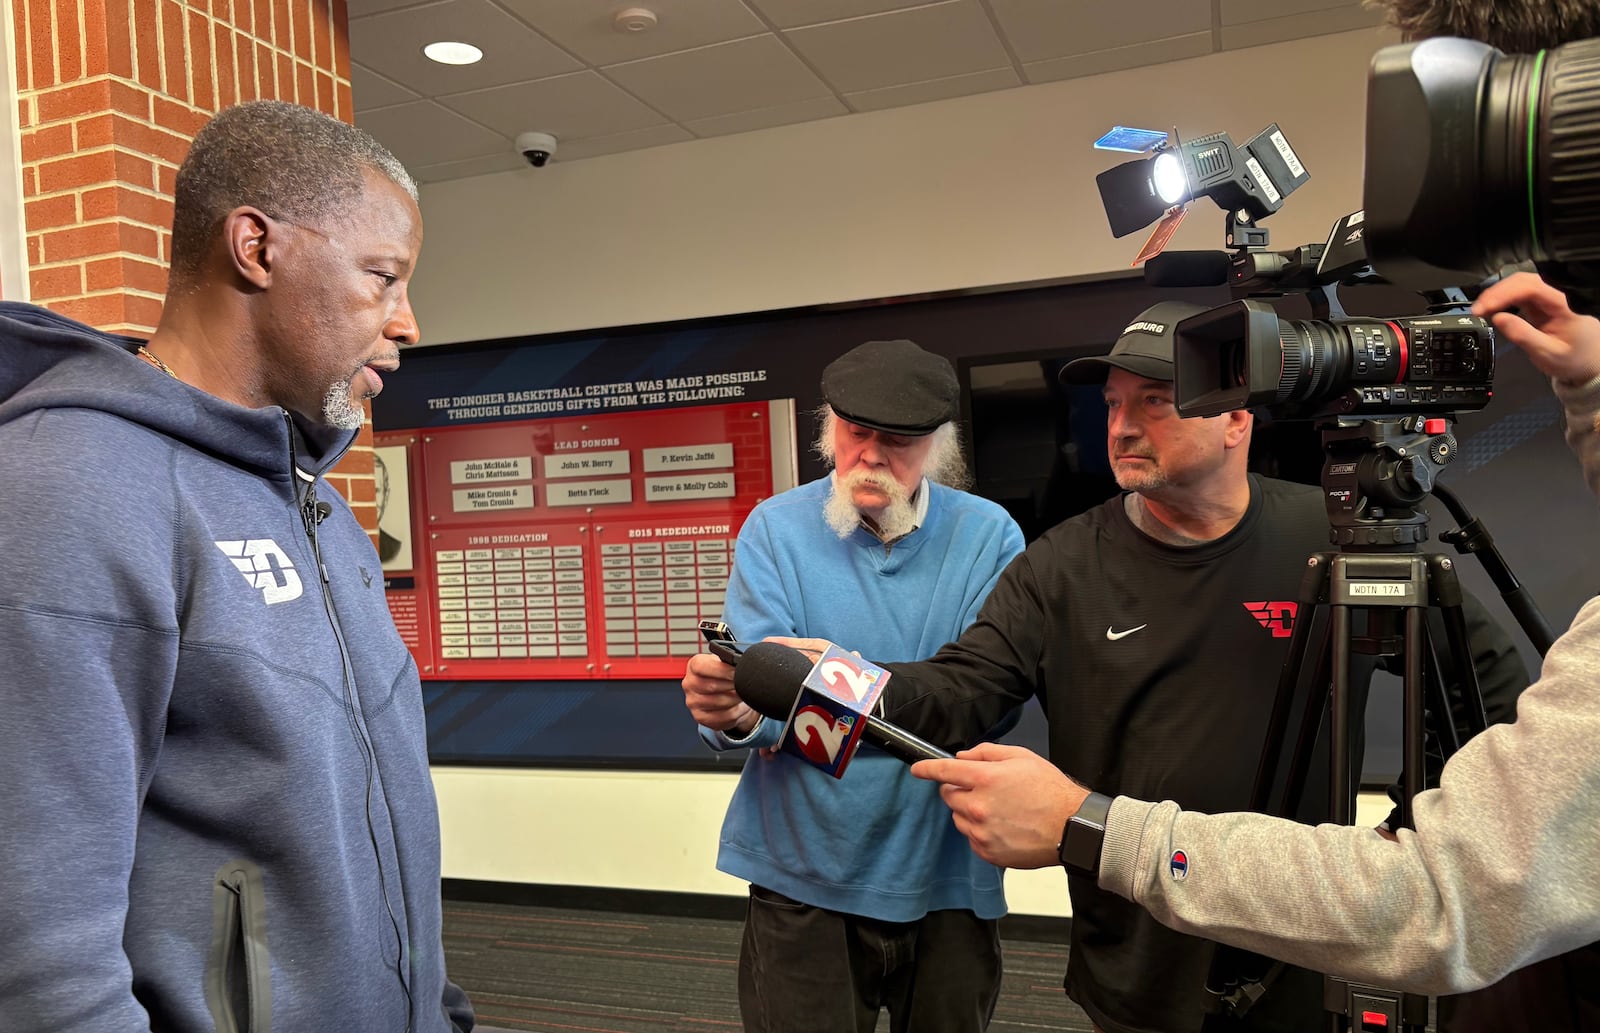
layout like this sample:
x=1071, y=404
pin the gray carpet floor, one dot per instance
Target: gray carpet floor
x=563, y=970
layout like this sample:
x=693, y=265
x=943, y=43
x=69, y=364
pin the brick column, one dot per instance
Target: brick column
x=110, y=92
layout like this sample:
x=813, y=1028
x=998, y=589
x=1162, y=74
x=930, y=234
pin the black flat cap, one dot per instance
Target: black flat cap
x=1145, y=347
x=892, y=386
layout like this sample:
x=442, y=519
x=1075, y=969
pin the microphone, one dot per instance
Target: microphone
x=775, y=682
x=1188, y=269
x=313, y=513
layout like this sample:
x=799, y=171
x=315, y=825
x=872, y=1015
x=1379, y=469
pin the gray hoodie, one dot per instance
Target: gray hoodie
x=1500, y=872
x=215, y=806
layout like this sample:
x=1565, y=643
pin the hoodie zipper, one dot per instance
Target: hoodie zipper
x=312, y=513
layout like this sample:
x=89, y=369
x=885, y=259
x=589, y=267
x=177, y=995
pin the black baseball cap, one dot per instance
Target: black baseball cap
x=892, y=386
x=1145, y=347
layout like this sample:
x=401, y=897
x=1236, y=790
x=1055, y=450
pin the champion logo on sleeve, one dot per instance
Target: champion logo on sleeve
x=1178, y=867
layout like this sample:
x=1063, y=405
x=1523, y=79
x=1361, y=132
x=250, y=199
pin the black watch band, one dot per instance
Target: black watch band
x=1084, y=835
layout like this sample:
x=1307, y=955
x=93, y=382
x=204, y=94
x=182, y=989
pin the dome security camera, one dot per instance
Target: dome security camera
x=536, y=148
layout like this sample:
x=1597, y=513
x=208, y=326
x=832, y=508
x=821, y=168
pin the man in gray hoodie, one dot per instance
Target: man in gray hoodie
x=214, y=779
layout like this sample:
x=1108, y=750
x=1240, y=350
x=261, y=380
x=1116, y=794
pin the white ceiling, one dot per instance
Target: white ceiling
x=711, y=67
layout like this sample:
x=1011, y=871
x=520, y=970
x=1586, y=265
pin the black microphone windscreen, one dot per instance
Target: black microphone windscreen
x=1188, y=269
x=768, y=678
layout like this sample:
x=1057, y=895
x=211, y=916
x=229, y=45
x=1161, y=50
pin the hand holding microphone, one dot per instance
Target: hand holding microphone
x=709, y=694
x=1010, y=803
x=827, y=704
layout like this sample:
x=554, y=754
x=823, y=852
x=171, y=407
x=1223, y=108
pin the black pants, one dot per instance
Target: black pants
x=803, y=969
x=1557, y=995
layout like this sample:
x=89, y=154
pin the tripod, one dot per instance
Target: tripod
x=1378, y=595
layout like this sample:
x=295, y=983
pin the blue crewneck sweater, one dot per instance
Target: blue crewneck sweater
x=878, y=842
x=214, y=788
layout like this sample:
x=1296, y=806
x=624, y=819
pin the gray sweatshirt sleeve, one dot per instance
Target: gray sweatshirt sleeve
x=1499, y=873
x=1581, y=405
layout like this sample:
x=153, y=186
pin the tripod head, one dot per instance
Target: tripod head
x=1376, y=474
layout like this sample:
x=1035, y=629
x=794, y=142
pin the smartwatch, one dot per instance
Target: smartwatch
x=1084, y=835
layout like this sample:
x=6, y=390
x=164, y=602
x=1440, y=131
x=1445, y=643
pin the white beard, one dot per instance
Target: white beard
x=898, y=518
x=338, y=410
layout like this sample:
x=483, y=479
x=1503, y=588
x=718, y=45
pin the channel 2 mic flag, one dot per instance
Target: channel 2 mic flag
x=830, y=712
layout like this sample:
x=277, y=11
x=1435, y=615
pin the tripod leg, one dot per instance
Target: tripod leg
x=1413, y=772
x=1455, y=716
x=1341, y=780
x=1312, y=631
x=1445, y=590
x=1237, y=978
x=1313, y=588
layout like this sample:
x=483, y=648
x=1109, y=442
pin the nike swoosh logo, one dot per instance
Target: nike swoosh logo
x=1112, y=636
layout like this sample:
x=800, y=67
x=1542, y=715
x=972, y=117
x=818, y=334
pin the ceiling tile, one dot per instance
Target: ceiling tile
x=462, y=169
x=392, y=43
x=577, y=105
x=1153, y=53
x=1039, y=29
x=900, y=47
x=586, y=29
x=784, y=114
x=789, y=13
x=713, y=67
x=935, y=89
x=1236, y=11
x=372, y=90
x=361, y=8
x=759, y=72
x=423, y=133
x=1314, y=23
x=637, y=140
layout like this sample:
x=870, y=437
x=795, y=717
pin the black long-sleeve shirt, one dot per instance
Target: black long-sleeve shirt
x=1157, y=666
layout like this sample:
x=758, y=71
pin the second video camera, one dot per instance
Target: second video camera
x=1244, y=356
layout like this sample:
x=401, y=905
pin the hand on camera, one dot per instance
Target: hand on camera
x=1558, y=341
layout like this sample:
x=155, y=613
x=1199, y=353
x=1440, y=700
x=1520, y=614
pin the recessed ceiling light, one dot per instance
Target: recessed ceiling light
x=449, y=53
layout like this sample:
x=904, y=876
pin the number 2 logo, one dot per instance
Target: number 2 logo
x=820, y=735
x=842, y=675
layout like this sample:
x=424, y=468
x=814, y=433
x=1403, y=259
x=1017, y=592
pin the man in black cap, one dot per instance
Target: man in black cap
x=863, y=896
x=1152, y=628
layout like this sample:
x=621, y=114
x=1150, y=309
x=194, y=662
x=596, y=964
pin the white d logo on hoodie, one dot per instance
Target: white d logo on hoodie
x=265, y=566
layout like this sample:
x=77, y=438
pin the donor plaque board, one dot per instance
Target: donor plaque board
x=572, y=547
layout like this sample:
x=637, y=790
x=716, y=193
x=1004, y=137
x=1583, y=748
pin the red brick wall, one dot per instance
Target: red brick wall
x=110, y=93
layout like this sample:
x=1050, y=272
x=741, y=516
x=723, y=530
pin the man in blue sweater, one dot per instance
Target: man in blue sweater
x=214, y=781
x=863, y=897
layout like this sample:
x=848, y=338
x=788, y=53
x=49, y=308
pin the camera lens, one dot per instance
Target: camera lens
x=1477, y=160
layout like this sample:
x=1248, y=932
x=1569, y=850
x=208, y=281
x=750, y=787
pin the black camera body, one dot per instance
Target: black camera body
x=1244, y=356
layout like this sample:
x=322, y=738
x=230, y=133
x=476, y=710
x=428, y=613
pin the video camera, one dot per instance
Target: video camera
x=1475, y=161
x=1243, y=356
